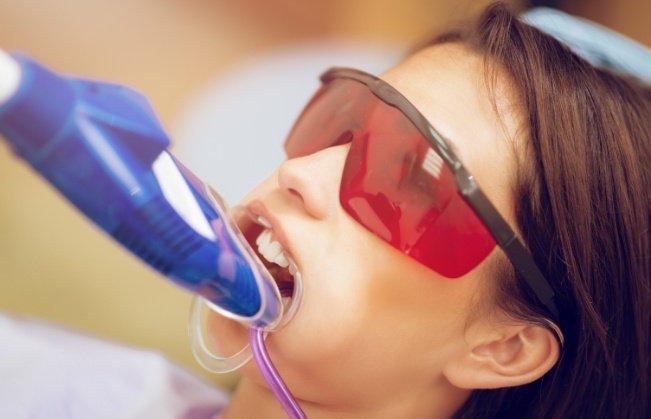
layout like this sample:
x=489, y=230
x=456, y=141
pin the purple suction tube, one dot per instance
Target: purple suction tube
x=271, y=375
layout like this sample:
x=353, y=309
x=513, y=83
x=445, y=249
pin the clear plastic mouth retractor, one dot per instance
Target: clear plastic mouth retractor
x=204, y=342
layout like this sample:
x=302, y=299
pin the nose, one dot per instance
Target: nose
x=315, y=179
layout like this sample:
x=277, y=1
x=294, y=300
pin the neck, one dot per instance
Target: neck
x=254, y=400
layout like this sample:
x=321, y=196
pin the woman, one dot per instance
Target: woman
x=411, y=311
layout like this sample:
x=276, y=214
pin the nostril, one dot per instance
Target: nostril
x=294, y=192
x=297, y=197
x=344, y=138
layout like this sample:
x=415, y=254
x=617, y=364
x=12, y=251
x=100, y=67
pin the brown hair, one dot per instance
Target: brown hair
x=583, y=207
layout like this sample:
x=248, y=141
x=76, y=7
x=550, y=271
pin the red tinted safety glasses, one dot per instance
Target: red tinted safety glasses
x=402, y=181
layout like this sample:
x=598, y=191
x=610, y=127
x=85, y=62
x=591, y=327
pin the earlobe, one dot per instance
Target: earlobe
x=517, y=355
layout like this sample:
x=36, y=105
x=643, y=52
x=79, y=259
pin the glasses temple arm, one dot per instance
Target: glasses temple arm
x=506, y=238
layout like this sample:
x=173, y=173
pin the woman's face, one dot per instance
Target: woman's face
x=373, y=323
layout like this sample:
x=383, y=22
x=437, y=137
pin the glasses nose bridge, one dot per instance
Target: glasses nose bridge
x=315, y=179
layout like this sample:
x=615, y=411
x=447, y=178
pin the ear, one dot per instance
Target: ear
x=511, y=355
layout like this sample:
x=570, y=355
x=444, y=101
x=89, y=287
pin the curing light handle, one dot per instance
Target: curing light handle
x=103, y=148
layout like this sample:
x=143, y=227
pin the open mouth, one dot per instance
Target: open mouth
x=260, y=236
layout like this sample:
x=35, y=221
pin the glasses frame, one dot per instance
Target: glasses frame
x=503, y=234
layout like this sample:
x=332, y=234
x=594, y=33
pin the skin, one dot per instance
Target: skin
x=377, y=334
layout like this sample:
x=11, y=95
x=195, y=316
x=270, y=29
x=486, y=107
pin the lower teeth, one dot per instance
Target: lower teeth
x=292, y=301
x=286, y=285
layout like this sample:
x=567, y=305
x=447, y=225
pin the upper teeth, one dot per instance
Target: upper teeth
x=270, y=249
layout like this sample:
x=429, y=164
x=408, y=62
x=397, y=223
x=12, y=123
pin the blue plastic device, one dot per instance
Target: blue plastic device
x=102, y=146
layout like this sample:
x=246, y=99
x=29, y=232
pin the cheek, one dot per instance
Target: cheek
x=335, y=310
x=369, y=326
x=332, y=312
x=367, y=301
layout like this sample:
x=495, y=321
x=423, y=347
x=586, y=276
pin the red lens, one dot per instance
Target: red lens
x=393, y=182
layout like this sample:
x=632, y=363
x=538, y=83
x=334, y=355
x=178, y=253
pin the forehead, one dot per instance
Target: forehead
x=447, y=83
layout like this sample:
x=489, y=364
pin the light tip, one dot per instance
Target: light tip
x=9, y=76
